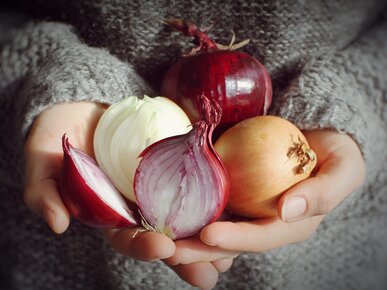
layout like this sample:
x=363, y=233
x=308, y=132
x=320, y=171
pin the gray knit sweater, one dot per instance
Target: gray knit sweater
x=328, y=62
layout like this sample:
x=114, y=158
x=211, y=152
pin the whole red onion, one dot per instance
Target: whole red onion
x=236, y=80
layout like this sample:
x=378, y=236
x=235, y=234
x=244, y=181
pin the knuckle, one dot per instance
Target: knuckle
x=325, y=204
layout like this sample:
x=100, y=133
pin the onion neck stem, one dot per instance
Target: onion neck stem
x=204, y=43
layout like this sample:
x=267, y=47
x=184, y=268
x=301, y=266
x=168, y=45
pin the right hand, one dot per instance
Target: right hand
x=44, y=155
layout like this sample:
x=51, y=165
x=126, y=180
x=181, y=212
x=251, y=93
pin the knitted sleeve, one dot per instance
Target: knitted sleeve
x=43, y=64
x=344, y=90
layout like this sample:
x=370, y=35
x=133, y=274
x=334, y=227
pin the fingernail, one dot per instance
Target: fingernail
x=208, y=243
x=293, y=208
x=204, y=240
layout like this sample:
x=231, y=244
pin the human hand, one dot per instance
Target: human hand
x=205, y=262
x=340, y=170
x=44, y=155
x=199, y=264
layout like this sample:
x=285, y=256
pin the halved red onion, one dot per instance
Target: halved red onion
x=88, y=193
x=181, y=184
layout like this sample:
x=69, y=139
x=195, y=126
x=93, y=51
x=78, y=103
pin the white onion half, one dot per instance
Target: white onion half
x=126, y=128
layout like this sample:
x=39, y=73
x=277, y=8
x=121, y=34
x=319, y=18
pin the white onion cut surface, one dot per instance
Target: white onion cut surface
x=127, y=128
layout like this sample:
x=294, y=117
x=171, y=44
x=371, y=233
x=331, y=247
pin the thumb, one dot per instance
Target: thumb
x=338, y=175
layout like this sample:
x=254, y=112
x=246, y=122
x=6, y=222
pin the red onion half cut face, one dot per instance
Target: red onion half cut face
x=88, y=193
x=181, y=184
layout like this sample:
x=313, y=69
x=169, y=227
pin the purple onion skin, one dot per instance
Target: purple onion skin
x=237, y=81
x=81, y=201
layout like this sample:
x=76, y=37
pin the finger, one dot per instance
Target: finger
x=194, y=250
x=223, y=265
x=42, y=197
x=202, y=274
x=41, y=192
x=259, y=235
x=144, y=246
x=339, y=175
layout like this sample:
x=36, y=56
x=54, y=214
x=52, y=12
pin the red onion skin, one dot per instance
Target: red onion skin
x=81, y=201
x=238, y=81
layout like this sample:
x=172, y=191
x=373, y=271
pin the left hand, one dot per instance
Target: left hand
x=340, y=170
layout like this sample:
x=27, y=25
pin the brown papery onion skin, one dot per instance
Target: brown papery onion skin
x=264, y=156
x=236, y=80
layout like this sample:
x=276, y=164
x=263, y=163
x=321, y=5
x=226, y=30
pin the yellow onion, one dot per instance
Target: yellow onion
x=264, y=156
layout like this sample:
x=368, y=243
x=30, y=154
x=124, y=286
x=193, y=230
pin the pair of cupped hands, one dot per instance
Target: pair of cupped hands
x=197, y=260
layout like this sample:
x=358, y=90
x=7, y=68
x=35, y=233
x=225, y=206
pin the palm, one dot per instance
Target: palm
x=77, y=120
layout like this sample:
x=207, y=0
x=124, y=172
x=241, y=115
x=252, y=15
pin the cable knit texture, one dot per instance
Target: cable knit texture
x=328, y=61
